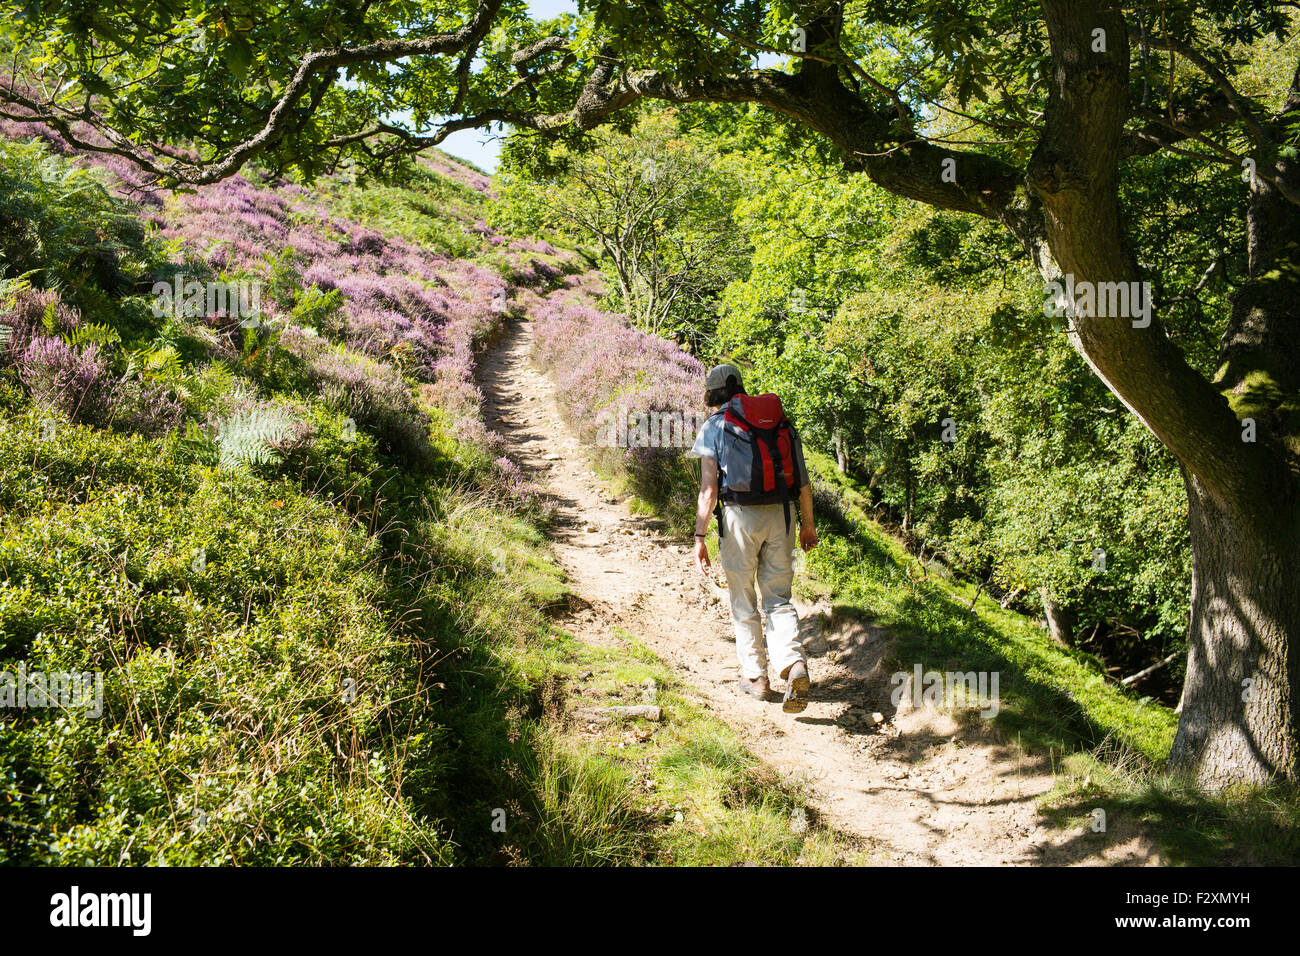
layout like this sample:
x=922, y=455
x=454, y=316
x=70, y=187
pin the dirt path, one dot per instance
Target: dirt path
x=919, y=788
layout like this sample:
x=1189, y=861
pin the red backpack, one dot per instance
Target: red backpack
x=757, y=457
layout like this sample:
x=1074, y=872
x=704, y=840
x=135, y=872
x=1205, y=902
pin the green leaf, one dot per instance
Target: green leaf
x=95, y=84
x=239, y=57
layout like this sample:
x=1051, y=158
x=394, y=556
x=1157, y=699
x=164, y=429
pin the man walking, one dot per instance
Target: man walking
x=752, y=471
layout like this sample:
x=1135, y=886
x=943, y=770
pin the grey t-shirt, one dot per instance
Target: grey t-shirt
x=708, y=443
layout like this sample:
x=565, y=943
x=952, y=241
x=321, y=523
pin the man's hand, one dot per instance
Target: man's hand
x=807, y=537
x=702, y=556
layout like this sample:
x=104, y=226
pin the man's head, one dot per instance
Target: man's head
x=721, y=385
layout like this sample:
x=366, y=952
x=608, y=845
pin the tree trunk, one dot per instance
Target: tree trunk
x=1060, y=624
x=1240, y=713
x=841, y=459
x=1245, y=600
x=1240, y=717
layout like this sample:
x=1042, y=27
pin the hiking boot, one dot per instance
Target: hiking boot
x=757, y=688
x=797, y=686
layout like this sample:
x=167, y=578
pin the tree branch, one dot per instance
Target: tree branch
x=281, y=115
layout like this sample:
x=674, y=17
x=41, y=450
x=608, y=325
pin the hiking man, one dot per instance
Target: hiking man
x=752, y=467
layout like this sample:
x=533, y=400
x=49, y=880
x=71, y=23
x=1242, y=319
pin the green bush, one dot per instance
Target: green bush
x=60, y=226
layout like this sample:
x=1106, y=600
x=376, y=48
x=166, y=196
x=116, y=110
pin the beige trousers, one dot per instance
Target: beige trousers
x=756, y=547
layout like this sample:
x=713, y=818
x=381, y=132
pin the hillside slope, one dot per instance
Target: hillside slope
x=245, y=483
x=260, y=526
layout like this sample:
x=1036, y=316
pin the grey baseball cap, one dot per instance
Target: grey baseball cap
x=718, y=375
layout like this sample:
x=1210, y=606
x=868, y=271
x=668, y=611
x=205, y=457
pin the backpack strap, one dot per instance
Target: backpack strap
x=794, y=464
x=781, y=482
x=785, y=501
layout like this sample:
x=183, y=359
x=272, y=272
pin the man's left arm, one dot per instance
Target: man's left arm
x=807, y=531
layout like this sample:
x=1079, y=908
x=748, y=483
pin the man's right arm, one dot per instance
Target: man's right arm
x=704, y=508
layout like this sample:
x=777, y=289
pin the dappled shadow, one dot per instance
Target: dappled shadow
x=1083, y=847
x=1249, y=635
x=941, y=635
x=859, y=648
x=1198, y=828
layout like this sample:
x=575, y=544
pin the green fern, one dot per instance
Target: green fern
x=249, y=437
x=9, y=288
x=199, y=443
x=159, y=364
x=164, y=362
x=89, y=333
x=64, y=226
x=214, y=385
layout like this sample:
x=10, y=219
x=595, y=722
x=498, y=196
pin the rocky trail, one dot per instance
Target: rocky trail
x=917, y=786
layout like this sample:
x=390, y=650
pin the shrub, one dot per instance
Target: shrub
x=75, y=382
x=27, y=313
x=603, y=367
x=59, y=223
x=373, y=394
x=146, y=409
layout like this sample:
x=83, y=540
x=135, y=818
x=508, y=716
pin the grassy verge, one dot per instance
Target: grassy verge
x=680, y=791
x=319, y=687
x=1051, y=697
